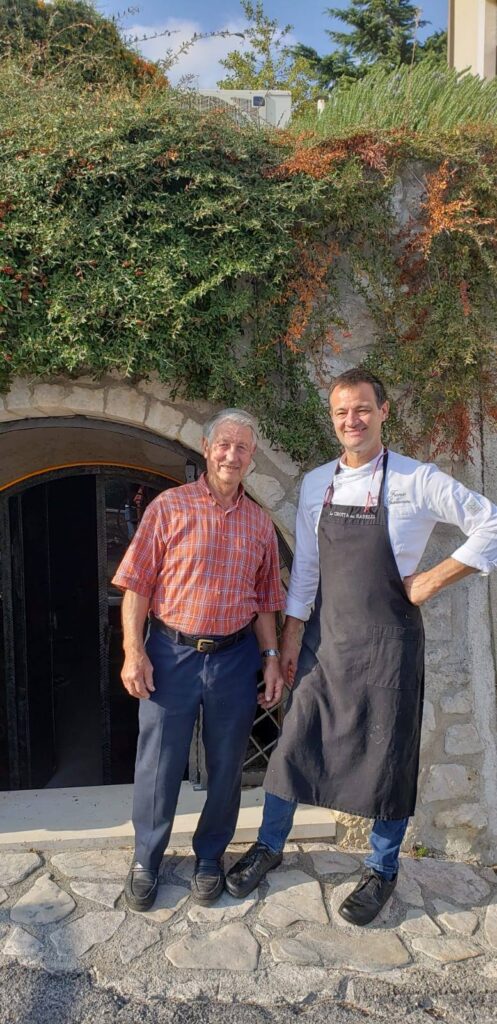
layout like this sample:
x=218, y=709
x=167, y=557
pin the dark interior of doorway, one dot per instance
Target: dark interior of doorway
x=75, y=633
x=65, y=718
x=81, y=696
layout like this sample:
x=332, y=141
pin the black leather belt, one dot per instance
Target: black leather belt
x=201, y=643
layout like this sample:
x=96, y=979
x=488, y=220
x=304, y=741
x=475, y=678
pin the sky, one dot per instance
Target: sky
x=183, y=18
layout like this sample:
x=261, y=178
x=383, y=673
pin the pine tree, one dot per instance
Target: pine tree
x=378, y=30
x=328, y=68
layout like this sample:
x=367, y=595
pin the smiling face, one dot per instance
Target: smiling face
x=357, y=420
x=228, y=455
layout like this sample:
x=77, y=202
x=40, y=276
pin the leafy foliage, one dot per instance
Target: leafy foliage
x=71, y=34
x=430, y=284
x=379, y=32
x=426, y=100
x=267, y=63
x=141, y=236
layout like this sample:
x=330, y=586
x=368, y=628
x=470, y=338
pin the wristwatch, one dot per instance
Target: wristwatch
x=270, y=652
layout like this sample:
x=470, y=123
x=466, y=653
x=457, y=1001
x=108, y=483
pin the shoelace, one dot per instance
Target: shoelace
x=371, y=876
x=252, y=856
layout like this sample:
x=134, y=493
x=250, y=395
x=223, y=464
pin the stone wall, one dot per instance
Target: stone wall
x=273, y=478
x=457, y=805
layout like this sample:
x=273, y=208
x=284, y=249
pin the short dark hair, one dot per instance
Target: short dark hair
x=358, y=375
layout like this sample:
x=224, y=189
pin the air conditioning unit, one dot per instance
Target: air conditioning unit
x=272, y=107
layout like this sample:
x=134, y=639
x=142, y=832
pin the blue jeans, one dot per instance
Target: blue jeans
x=224, y=684
x=385, y=838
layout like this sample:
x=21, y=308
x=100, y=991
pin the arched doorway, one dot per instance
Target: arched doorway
x=65, y=523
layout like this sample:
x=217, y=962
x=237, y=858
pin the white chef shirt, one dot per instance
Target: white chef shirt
x=417, y=494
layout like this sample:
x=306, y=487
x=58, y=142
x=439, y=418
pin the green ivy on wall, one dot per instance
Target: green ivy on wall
x=144, y=236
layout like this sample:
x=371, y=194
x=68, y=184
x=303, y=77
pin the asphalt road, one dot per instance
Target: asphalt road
x=29, y=996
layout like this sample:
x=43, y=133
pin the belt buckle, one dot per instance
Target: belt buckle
x=204, y=646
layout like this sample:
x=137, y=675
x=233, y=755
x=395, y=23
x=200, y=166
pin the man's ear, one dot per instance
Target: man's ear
x=385, y=410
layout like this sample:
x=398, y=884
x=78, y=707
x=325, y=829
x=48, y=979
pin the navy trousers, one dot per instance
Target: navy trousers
x=224, y=684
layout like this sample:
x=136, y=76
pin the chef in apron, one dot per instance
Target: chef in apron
x=351, y=734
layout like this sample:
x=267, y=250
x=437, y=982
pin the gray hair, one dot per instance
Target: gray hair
x=244, y=419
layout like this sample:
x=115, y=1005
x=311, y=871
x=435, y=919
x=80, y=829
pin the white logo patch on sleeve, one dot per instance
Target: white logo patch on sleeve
x=473, y=505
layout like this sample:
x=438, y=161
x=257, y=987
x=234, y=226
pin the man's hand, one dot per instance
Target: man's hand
x=290, y=650
x=137, y=675
x=420, y=586
x=418, y=589
x=291, y=642
x=273, y=684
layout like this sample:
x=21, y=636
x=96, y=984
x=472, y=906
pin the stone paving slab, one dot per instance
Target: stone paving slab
x=93, y=864
x=169, y=899
x=135, y=937
x=44, y=903
x=3, y=896
x=23, y=945
x=408, y=890
x=417, y=922
x=279, y=984
x=14, y=867
x=233, y=944
x=293, y=896
x=285, y=944
x=79, y=936
x=333, y=862
x=454, y=919
x=460, y=883
x=344, y=949
x=225, y=909
x=106, y=893
x=445, y=950
x=491, y=923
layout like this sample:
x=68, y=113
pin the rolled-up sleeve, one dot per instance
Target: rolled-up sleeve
x=143, y=560
x=476, y=516
x=305, y=571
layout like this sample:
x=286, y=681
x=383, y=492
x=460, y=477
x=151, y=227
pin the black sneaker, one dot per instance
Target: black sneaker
x=246, y=874
x=367, y=899
x=207, y=883
x=140, y=888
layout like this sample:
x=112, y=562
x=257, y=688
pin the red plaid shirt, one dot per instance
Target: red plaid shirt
x=205, y=569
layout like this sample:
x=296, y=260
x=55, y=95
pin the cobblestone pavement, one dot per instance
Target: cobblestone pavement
x=284, y=945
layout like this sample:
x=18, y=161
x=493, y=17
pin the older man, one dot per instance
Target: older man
x=350, y=739
x=204, y=567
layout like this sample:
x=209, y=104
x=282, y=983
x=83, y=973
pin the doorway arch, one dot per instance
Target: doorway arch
x=68, y=490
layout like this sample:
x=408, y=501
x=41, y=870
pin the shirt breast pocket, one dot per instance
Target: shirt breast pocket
x=401, y=510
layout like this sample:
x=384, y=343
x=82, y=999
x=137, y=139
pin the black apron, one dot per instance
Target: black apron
x=351, y=733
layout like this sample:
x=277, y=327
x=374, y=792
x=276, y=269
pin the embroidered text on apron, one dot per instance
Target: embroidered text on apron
x=351, y=733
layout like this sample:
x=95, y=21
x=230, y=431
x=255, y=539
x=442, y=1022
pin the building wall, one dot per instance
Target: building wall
x=457, y=805
x=273, y=477
x=473, y=36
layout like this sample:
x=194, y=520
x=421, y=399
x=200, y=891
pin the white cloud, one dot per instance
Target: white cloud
x=201, y=60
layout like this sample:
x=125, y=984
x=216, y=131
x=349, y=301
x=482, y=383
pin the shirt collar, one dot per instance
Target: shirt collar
x=206, y=491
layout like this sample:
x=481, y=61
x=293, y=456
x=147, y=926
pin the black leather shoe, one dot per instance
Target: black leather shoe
x=367, y=899
x=140, y=888
x=246, y=874
x=207, y=883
